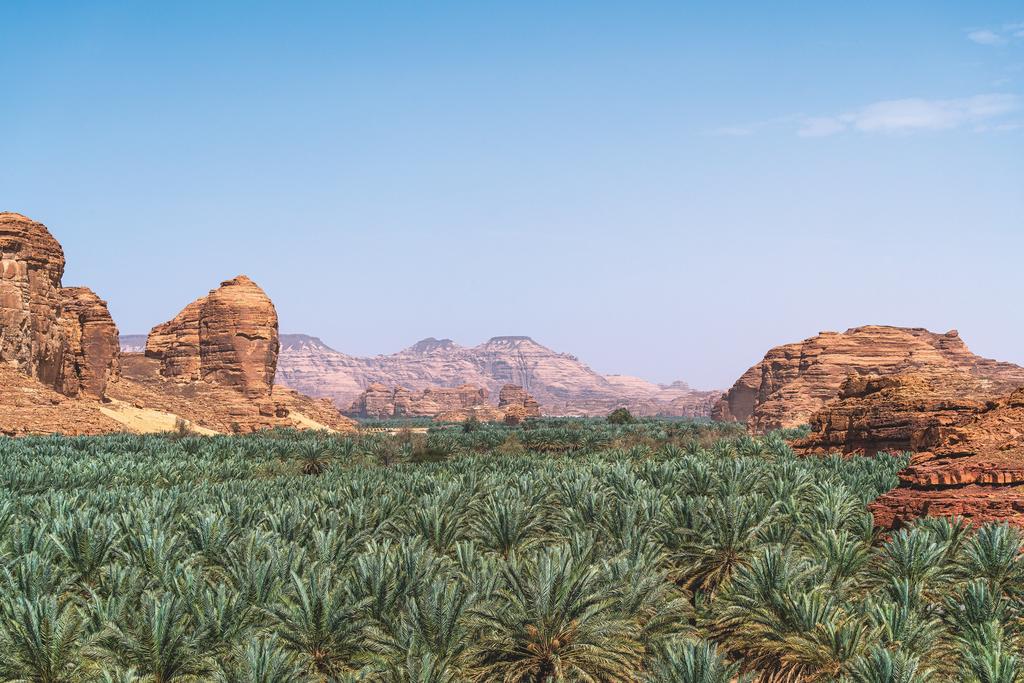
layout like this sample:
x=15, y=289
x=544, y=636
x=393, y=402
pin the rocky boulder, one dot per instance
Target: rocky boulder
x=31, y=267
x=514, y=399
x=794, y=381
x=91, y=347
x=228, y=338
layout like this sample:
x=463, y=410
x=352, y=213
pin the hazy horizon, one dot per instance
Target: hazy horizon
x=663, y=191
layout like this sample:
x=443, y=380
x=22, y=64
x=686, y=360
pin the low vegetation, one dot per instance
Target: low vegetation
x=552, y=551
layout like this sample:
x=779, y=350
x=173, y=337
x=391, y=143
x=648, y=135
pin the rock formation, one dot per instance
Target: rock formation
x=968, y=446
x=514, y=406
x=514, y=399
x=228, y=338
x=31, y=267
x=64, y=337
x=382, y=403
x=794, y=381
x=214, y=364
x=91, y=347
x=895, y=413
x=561, y=384
x=175, y=344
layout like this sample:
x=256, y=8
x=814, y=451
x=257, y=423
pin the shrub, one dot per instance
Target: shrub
x=620, y=416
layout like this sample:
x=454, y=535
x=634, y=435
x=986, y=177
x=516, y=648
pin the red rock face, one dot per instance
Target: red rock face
x=238, y=341
x=968, y=446
x=175, y=344
x=228, y=338
x=513, y=398
x=794, y=381
x=974, y=468
x=92, y=348
x=895, y=413
x=382, y=403
x=31, y=266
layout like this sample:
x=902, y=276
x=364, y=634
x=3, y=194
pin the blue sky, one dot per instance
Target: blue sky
x=663, y=189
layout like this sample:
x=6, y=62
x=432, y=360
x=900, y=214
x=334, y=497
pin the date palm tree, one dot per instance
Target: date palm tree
x=160, y=640
x=39, y=641
x=261, y=660
x=554, y=620
x=691, y=662
x=320, y=620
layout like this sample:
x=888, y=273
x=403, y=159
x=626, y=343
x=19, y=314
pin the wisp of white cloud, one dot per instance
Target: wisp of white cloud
x=1000, y=36
x=986, y=37
x=914, y=114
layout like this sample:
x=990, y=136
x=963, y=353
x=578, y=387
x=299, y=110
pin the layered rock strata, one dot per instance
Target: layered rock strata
x=91, y=347
x=31, y=267
x=975, y=470
x=794, y=381
x=967, y=446
x=514, y=399
x=560, y=382
x=380, y=402
x=228, y=338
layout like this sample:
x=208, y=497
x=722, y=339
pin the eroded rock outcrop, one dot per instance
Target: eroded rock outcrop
x=91, y=348
x=974, y=468
x=62, y=336
x=175, y=344
x=514, y=399
x=228, y=338
x=213, y=365
x=380, y=402
x=794, y=381
x=31, y=267
x=967, y=445
x=894, y=413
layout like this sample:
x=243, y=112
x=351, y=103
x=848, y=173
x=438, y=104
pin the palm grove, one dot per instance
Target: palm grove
x=552, y=551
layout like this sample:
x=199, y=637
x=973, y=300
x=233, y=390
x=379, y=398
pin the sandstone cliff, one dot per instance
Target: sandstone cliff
x=794, y=381
x=968, y=446
x=561, y=384
x=212, y=365
x=62, y=336
x=31, y=267
x=380, y=402
x=228, y=338
x=91, y=348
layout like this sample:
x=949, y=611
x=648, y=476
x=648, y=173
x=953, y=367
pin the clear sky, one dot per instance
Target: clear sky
x=663, y=189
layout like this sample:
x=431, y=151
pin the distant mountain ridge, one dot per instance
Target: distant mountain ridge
x=560, y=382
